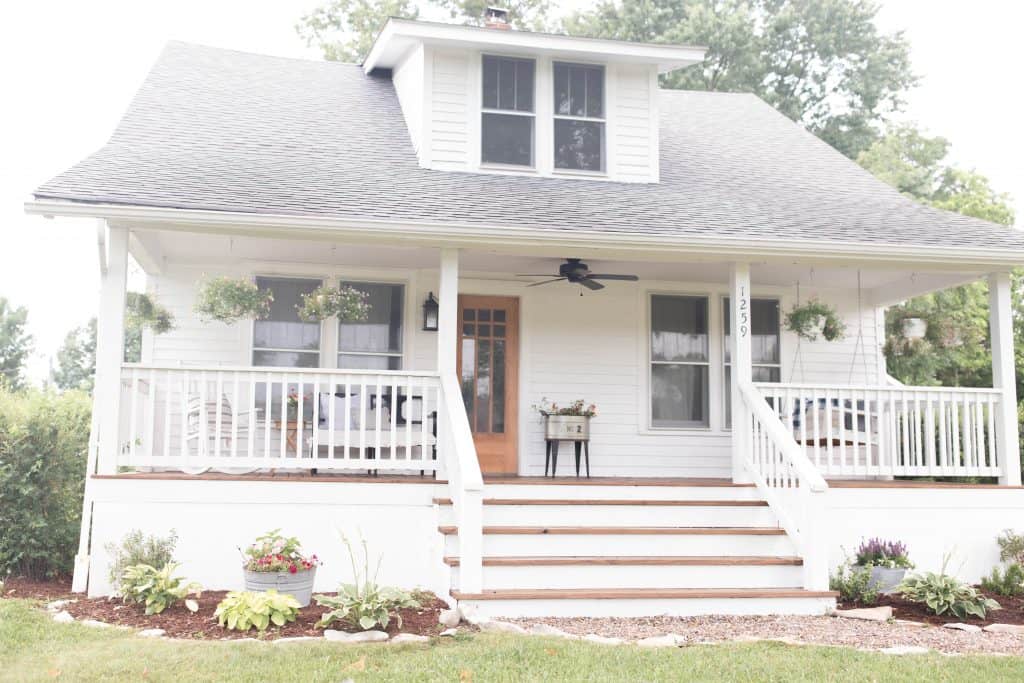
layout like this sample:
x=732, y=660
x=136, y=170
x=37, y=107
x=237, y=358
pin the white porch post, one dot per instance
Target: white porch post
x=1000, y=318
x=448, y=309
x=739, y=326
x=110, y=350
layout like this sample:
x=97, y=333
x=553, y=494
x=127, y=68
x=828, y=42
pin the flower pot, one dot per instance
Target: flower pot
x=884, y=579
x=576, y=427
x=914, y=328
x=299, y=585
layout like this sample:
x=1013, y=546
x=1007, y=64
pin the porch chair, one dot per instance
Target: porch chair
x=200, y=413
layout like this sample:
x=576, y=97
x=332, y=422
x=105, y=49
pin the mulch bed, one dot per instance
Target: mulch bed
x=1012, y=611
x=179, y=622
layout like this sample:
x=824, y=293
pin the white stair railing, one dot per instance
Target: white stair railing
x=790, y=483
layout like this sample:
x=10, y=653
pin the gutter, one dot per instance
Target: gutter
x=447, y=234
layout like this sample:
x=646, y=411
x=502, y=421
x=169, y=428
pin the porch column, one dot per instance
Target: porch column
x=1004, y=378
x=110, y=350
x=448, y=310
x=739, y=326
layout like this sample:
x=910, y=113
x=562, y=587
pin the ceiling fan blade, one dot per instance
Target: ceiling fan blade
x=535, y=275
x=590, y=284
x=604, y=276
x=544, y=282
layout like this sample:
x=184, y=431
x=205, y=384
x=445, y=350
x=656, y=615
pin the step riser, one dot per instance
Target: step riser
x=644, y=607
x=630, y=576
x=621, y=492
x=620, y=545
x=620, y=515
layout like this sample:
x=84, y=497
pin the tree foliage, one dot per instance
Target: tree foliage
x=15, y=344
x=76, y=359
x=822, y=63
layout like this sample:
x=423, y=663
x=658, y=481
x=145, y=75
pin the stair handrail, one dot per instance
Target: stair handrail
x=779, y=468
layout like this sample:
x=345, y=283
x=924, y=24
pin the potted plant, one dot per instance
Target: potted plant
x=141, y=310
x=815, y=318
x=276, y=562
x=345, y=303
x=566, y=422
x=887, y=560
x=229, y=300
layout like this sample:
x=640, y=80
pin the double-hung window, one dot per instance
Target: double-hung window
x=507, y=125
x=282, y=339
x=374, y=343
x=579, y=117
x=679, y=362
x=765, y=342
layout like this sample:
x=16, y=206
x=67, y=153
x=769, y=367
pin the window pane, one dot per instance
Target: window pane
x=483, y=386
x=679, y=395
x=679, y=328
x=524, y=85
x=498, y=410
x=507, y=139
x=283, y=329
x=764, y=324
x=286, y=359
x=594, y=80
x=506, y=84
x=468, y=374
x=579, y=145
x=561, y=89
x=359, y=362
x=490, y=82
x=381, y=332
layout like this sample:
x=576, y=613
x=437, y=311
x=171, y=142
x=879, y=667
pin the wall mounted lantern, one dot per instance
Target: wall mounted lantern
x=430, y=313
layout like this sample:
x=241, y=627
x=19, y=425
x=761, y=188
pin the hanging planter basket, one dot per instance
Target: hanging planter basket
x=347, y=304
x=141, y=310
x=229, y=300
x=815, y=319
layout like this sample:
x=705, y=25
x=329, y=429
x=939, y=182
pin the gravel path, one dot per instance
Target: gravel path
x=812, y=630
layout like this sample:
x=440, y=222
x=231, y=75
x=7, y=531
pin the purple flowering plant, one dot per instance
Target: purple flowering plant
x=876, y=552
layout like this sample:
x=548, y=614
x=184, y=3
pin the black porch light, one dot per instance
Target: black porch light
x=430, y=313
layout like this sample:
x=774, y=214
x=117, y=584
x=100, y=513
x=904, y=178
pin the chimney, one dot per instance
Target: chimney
x=496, y=17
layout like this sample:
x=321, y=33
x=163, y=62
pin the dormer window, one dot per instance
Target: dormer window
x=507, y=127
x=579, y=117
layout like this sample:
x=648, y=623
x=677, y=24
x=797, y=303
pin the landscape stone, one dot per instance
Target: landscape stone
x=403, y=638
x=449, y=632
x=363, y=637
x=969, y=628
x=152, y=633
x=63, y=617
x=907, y=622
x=449, y=618
x=904, y=650
x=883, y=613
x=59, y=605
x=471, y=615
x=547, y=630
x=294, y=639
x=1005, y=628
x=94, y=623
x=500, y=627
x=603, y=640
x=667, y=640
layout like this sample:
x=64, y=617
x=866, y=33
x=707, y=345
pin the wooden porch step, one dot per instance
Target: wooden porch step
x=640, y=593
x=679, y=561
x=599, y=501
x=622, y=531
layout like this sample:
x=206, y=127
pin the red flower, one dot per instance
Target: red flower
x=293, y=569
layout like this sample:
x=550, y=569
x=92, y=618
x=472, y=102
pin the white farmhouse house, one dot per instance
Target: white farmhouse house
x=506, y=175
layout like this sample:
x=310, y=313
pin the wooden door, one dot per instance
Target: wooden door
x=488, y=357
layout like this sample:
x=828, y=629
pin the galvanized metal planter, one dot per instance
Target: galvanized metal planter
x=574, y=427
x=884, y=579
x=299, y=585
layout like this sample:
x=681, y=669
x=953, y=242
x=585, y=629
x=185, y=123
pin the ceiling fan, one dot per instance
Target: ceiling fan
x=575, y=271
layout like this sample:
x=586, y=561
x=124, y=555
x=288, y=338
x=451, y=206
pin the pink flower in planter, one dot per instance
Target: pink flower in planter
x=293, y=569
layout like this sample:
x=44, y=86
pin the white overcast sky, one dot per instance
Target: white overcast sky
x=70, y=67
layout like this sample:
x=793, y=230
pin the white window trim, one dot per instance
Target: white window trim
x=497, y=166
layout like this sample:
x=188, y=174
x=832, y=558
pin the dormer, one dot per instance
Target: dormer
x=495, y=100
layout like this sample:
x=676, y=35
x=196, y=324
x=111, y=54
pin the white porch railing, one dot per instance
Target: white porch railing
x=198, y=418
x=790, y=483
x=890, y=430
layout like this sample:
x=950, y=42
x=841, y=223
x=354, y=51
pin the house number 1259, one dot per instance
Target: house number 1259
x=744, y=312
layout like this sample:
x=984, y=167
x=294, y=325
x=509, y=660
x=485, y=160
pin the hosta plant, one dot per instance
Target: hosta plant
x=242, y=610
x=157, y=589
x=945, y=594
x=139, y=548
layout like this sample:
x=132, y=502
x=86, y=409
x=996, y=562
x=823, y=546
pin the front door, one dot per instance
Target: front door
x=489, y=374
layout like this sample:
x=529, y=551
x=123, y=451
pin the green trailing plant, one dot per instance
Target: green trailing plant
x=1008, y=581
x=808, y=319
x=945, y=594
x=1011, y=547
x=229, y=300
x=363, y=603
x=854, y=584
x=242, y=610
x=137, y=548
x=142, y=310
x=345, y=303
x=157, y=589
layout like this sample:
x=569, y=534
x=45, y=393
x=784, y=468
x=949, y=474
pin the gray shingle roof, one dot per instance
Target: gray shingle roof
x=229, y=131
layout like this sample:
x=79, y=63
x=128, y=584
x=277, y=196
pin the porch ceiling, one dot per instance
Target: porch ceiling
x=882, y=284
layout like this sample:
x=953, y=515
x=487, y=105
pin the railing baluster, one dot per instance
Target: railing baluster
x=168, y=379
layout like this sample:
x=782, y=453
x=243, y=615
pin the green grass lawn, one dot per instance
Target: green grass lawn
x=32, y=648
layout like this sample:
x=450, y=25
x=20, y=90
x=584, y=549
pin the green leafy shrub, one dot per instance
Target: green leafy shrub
x=157, y=589
x=854, y=584
x=44, y=439
x=242, y=610
x=137, y=548
x=943, y=594
x=362, y=603
x=1009, y=581
x=1011, y=547
x=229, y=300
